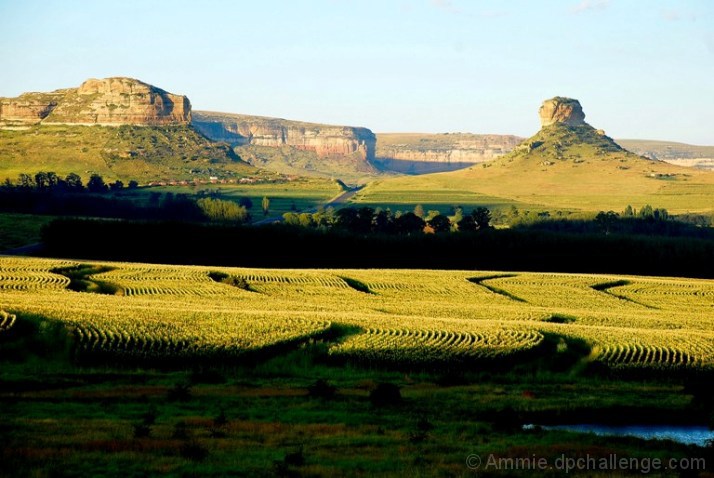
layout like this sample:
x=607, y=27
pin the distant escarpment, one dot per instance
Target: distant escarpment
x=325, y=140
x=109, y=101
x=416, y=153
x=293, y=147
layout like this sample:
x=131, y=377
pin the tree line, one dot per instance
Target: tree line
x=47, y=193
x=366, y=220
x=280, y=245
x=49, y=181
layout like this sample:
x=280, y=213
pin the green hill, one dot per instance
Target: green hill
x=143, y=153
x=568, y=164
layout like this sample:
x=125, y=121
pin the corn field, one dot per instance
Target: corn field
x=159, y=312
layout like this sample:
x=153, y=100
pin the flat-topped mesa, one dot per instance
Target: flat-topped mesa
x=324, y=140
x=561, y=110
x=109, y=101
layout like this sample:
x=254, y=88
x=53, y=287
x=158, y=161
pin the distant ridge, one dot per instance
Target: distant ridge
x=294, y=147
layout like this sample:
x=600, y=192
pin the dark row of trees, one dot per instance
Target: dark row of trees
x=288, y=246
x=48, y=181
x=366, y=220
x=157, y=206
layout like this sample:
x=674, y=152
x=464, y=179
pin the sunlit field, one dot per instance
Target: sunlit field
x=404, y=318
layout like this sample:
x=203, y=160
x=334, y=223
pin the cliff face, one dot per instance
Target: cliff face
x=324, y=140
x=561, y=110
x=426, y=153
x=110, y=101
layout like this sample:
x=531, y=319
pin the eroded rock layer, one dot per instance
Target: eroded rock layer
x=324, y=140
x=109, y=101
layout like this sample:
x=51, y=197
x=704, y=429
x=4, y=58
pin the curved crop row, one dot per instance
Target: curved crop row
x=6, y=321
x=419, y=346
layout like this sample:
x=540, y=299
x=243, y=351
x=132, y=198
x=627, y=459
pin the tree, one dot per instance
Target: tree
x=96, y=184
x=25, y=181
x=419, y=211
x=52, y=180
x=41, y=180
x=291, y=219
x=409, y=223
x=467, y=224
x=116, y=185
x=431, y=215
x=458, y=214
x=628, y=212
x=383, y=221
x=219, y=210
x=646, y=212
x=265, y=204
x=482, y=216
x=661, y=214
x=365, y=217
x=74, y=182
x=305, y=220
x=440, y=223
x=133, y=184
x=347, y=218
x=606, y=220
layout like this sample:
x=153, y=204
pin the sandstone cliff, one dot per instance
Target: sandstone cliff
x=324, y=140
x=110, y=101
x=561, y=110
x=425, y=153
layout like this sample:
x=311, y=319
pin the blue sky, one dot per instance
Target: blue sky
x=640, y=68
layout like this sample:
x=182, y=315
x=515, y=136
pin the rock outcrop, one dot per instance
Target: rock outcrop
x=324, y=140
x=561, y=110
x=110, y=101
x=426, y=153
x=565, y=136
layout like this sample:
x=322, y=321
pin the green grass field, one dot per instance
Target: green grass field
x=20, y=229
x=302, y=193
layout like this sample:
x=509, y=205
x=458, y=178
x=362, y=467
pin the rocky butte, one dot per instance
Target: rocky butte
x=564, y=135
x=108, y=102
x=561, y=110
x=324, y=140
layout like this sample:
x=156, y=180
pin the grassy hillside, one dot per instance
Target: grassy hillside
x=142, y=153
x=559, y=168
